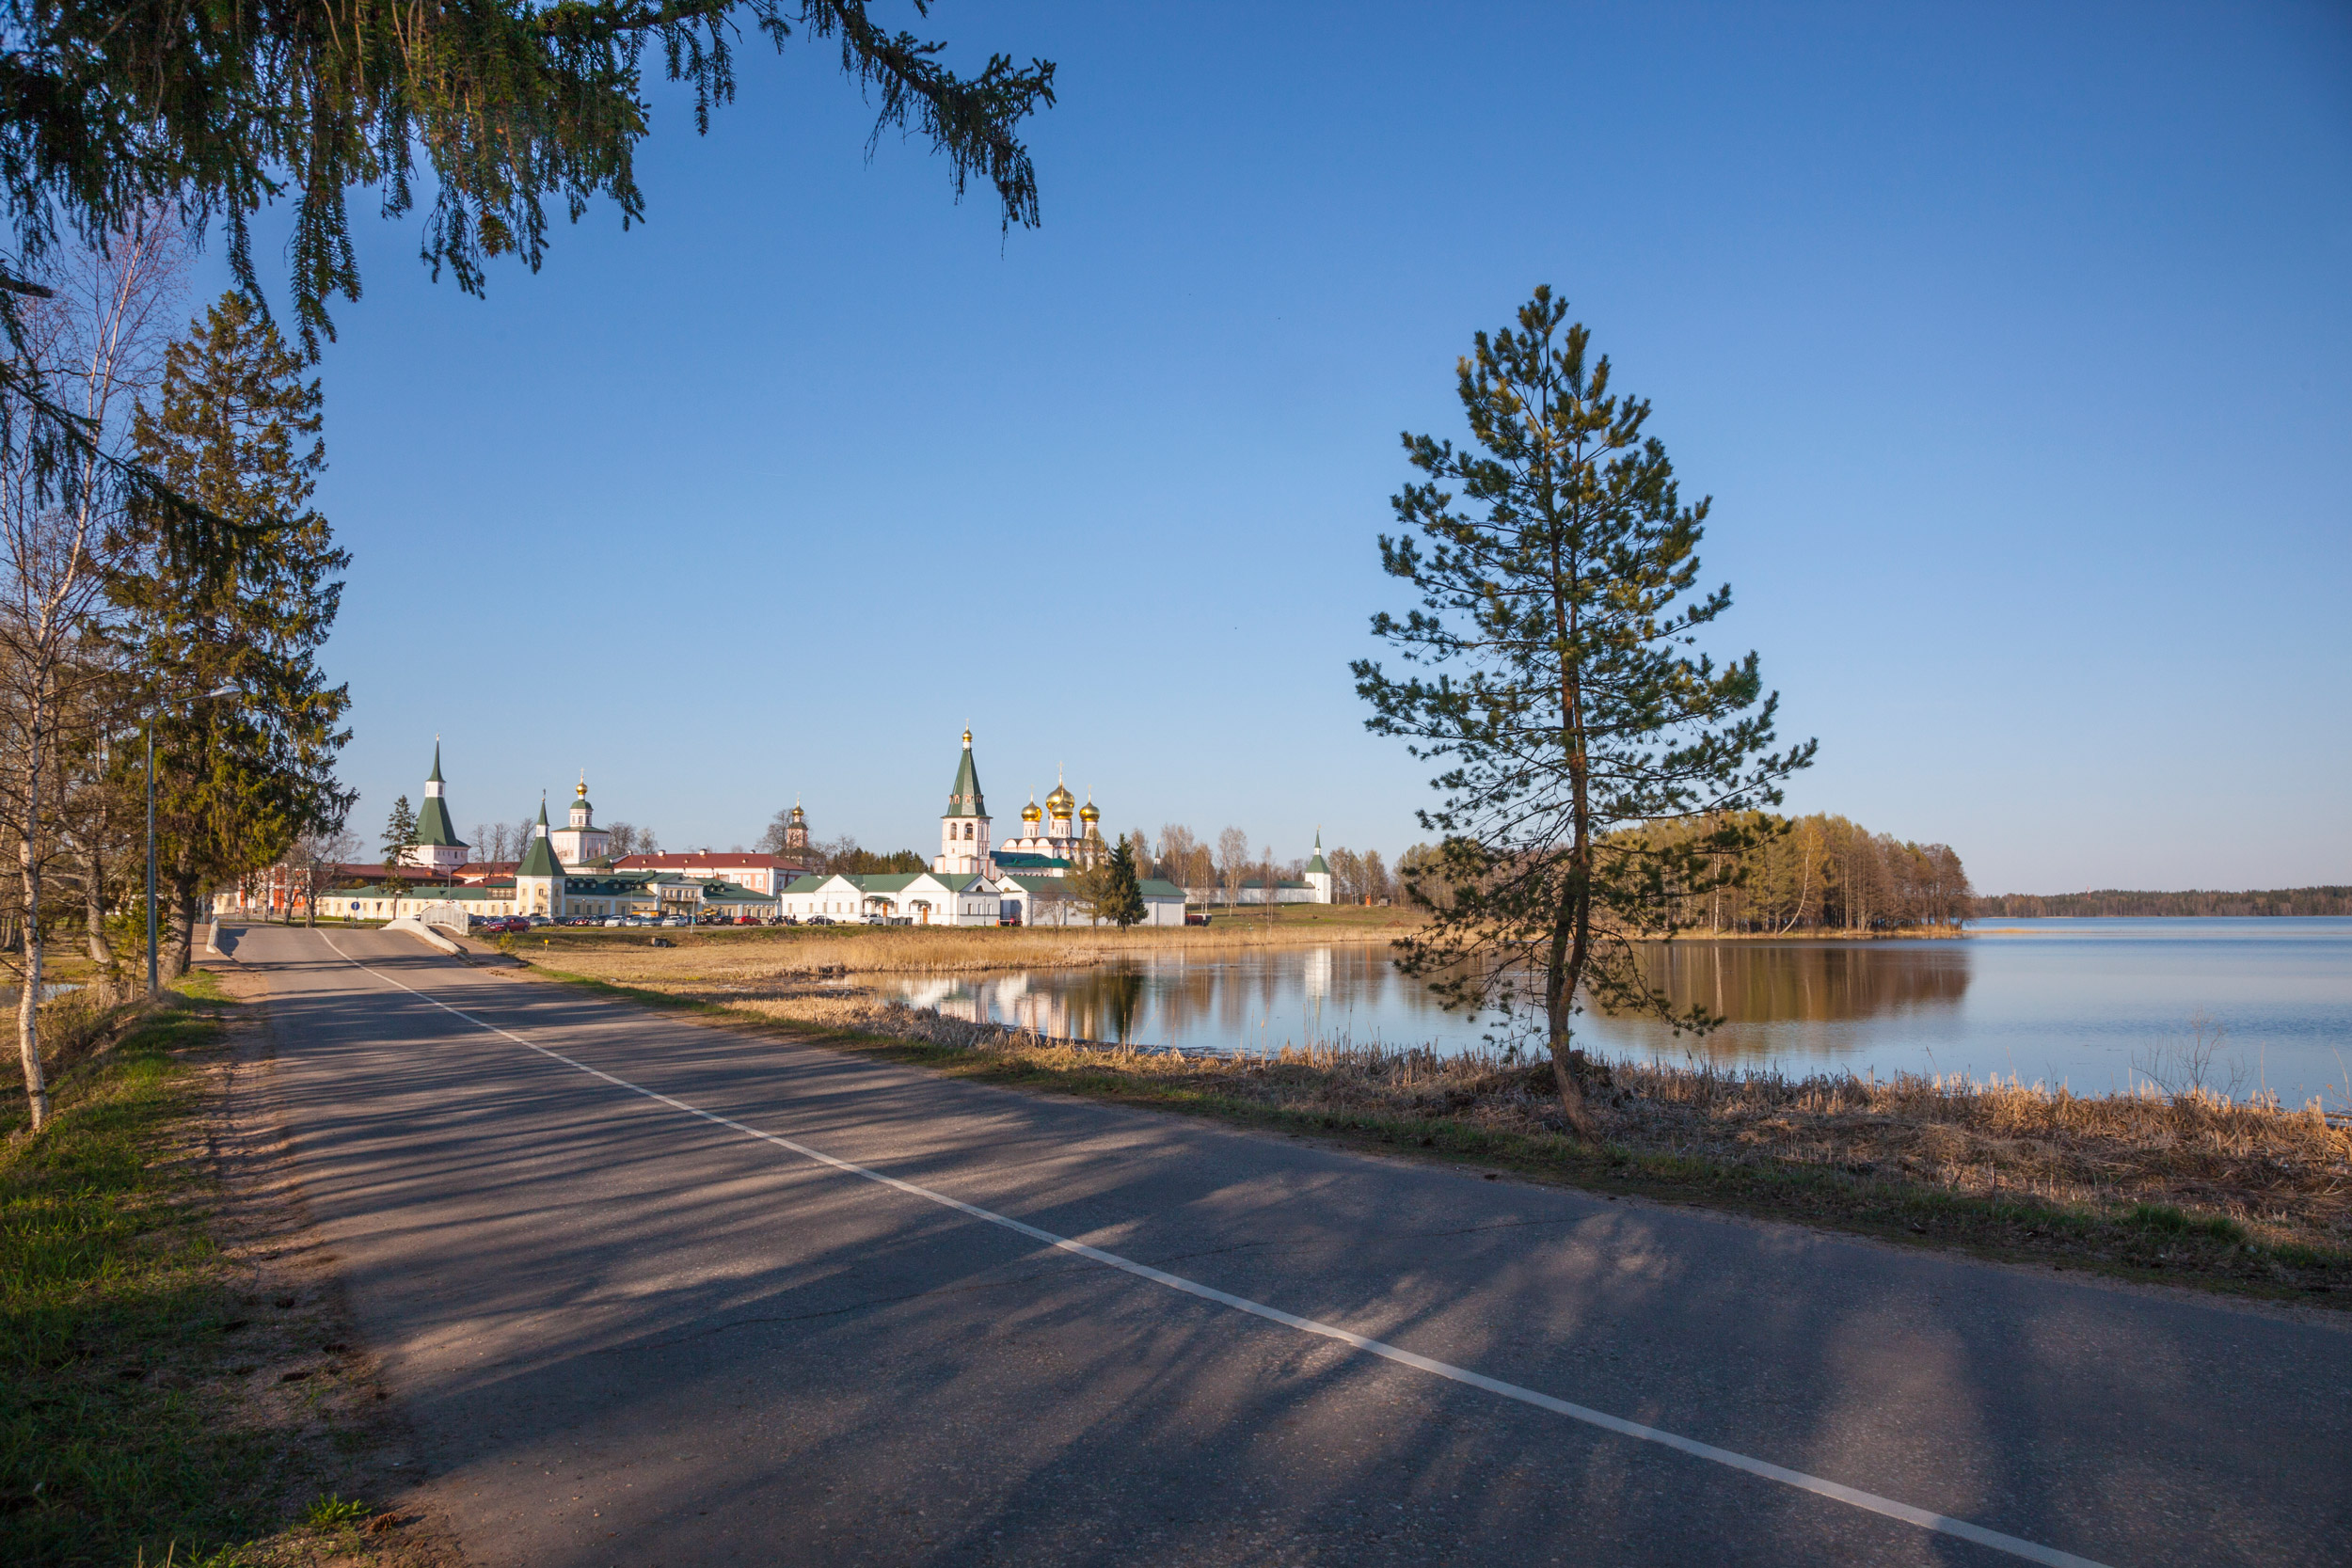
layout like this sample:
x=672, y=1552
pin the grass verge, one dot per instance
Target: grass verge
x=2182, y=1191
x=129, y=1430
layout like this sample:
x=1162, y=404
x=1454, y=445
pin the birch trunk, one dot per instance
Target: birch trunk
x=28, y=869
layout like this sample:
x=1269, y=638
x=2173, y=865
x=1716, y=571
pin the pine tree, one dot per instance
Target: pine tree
x=1122, y=900
x=400, y=833
x=236, y=430
x=1560, y=590
x=219, y=110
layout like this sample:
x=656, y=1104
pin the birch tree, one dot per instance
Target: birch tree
x=1232, y=862
x=95, y=338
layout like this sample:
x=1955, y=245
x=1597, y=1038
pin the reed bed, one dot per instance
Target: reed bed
x=2282, y=1176
x=805, y=952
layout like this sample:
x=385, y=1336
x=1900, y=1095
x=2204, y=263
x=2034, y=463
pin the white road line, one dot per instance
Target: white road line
x=1852, y=1496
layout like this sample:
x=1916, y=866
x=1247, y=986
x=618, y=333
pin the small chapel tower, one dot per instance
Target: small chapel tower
x=1319, y=873
x=539, y=880
x=963, y=839
x=580, y=841
x=437, y=846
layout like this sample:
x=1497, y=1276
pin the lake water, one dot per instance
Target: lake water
x=2092, y=1004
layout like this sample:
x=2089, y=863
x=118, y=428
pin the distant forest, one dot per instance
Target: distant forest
x=1823, y=872
x=2114, y=902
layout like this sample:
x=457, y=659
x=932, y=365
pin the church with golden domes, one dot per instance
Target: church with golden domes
x=1024, y=873
x=1056, y=838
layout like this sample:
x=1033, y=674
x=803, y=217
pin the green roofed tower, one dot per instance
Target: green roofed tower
x=437, y=846
x=539, y=860
x=539, y=880
x=1318, y=873
x=964, y=835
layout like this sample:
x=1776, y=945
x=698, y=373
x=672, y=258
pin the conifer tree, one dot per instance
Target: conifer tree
x=1561, y=590
x=399, y=835
x=1123, y=897
x=115, y=116
x=236, y=430
x=216, y=110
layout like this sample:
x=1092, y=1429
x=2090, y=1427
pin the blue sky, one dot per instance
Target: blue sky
x=2015, y=346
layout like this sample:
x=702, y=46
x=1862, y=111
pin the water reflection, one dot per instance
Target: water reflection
x=1804, y=998
x=1355, y=993
x=2072, y=1000
x=1250, y=1001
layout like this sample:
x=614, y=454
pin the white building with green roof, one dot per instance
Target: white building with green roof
x=580, y=841
x=1318, y=873
x=437, y=846
x=917, y=897
x=539, y=880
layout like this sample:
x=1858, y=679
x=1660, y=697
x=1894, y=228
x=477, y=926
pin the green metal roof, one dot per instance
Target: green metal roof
x=734, y=892
x=1317, y=865
x=1153, y=887
x=963, y=798
x=539, y=861
x=433, y=826
x=434, y=777
x=1021, y=860
x=893, y=881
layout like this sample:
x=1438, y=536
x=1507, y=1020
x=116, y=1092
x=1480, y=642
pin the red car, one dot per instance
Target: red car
x=504, y=924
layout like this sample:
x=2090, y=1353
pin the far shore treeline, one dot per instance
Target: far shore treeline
x=1817, y=873
x=2114, y=903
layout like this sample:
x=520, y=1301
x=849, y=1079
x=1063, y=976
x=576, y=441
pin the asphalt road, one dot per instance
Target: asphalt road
x=640, y=1330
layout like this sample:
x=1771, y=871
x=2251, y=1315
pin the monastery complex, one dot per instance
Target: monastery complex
x=567, y=873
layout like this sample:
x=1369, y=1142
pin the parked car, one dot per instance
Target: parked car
x=505, y=924
x=614, y=920
x=820, y=920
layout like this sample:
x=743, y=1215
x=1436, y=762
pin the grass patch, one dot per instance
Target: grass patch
x=331, y=1511
x=2178, y=1188
x=111, y=1314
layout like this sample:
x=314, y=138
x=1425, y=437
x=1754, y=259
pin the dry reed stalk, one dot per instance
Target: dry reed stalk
x=2285, y=1174
x=788, y=955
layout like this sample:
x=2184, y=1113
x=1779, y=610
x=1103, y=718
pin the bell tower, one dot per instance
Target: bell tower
x=963, y=840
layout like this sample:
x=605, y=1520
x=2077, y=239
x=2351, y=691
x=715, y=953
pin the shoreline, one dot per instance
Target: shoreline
x=2239, y=1198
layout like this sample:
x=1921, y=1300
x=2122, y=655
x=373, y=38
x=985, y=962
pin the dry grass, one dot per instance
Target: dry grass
x=2197, y=1183
x=782, y=955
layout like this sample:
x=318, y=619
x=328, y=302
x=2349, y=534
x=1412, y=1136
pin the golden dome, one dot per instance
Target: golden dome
x=1060, y=803
x=1089, y=813
x=1030, y=813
